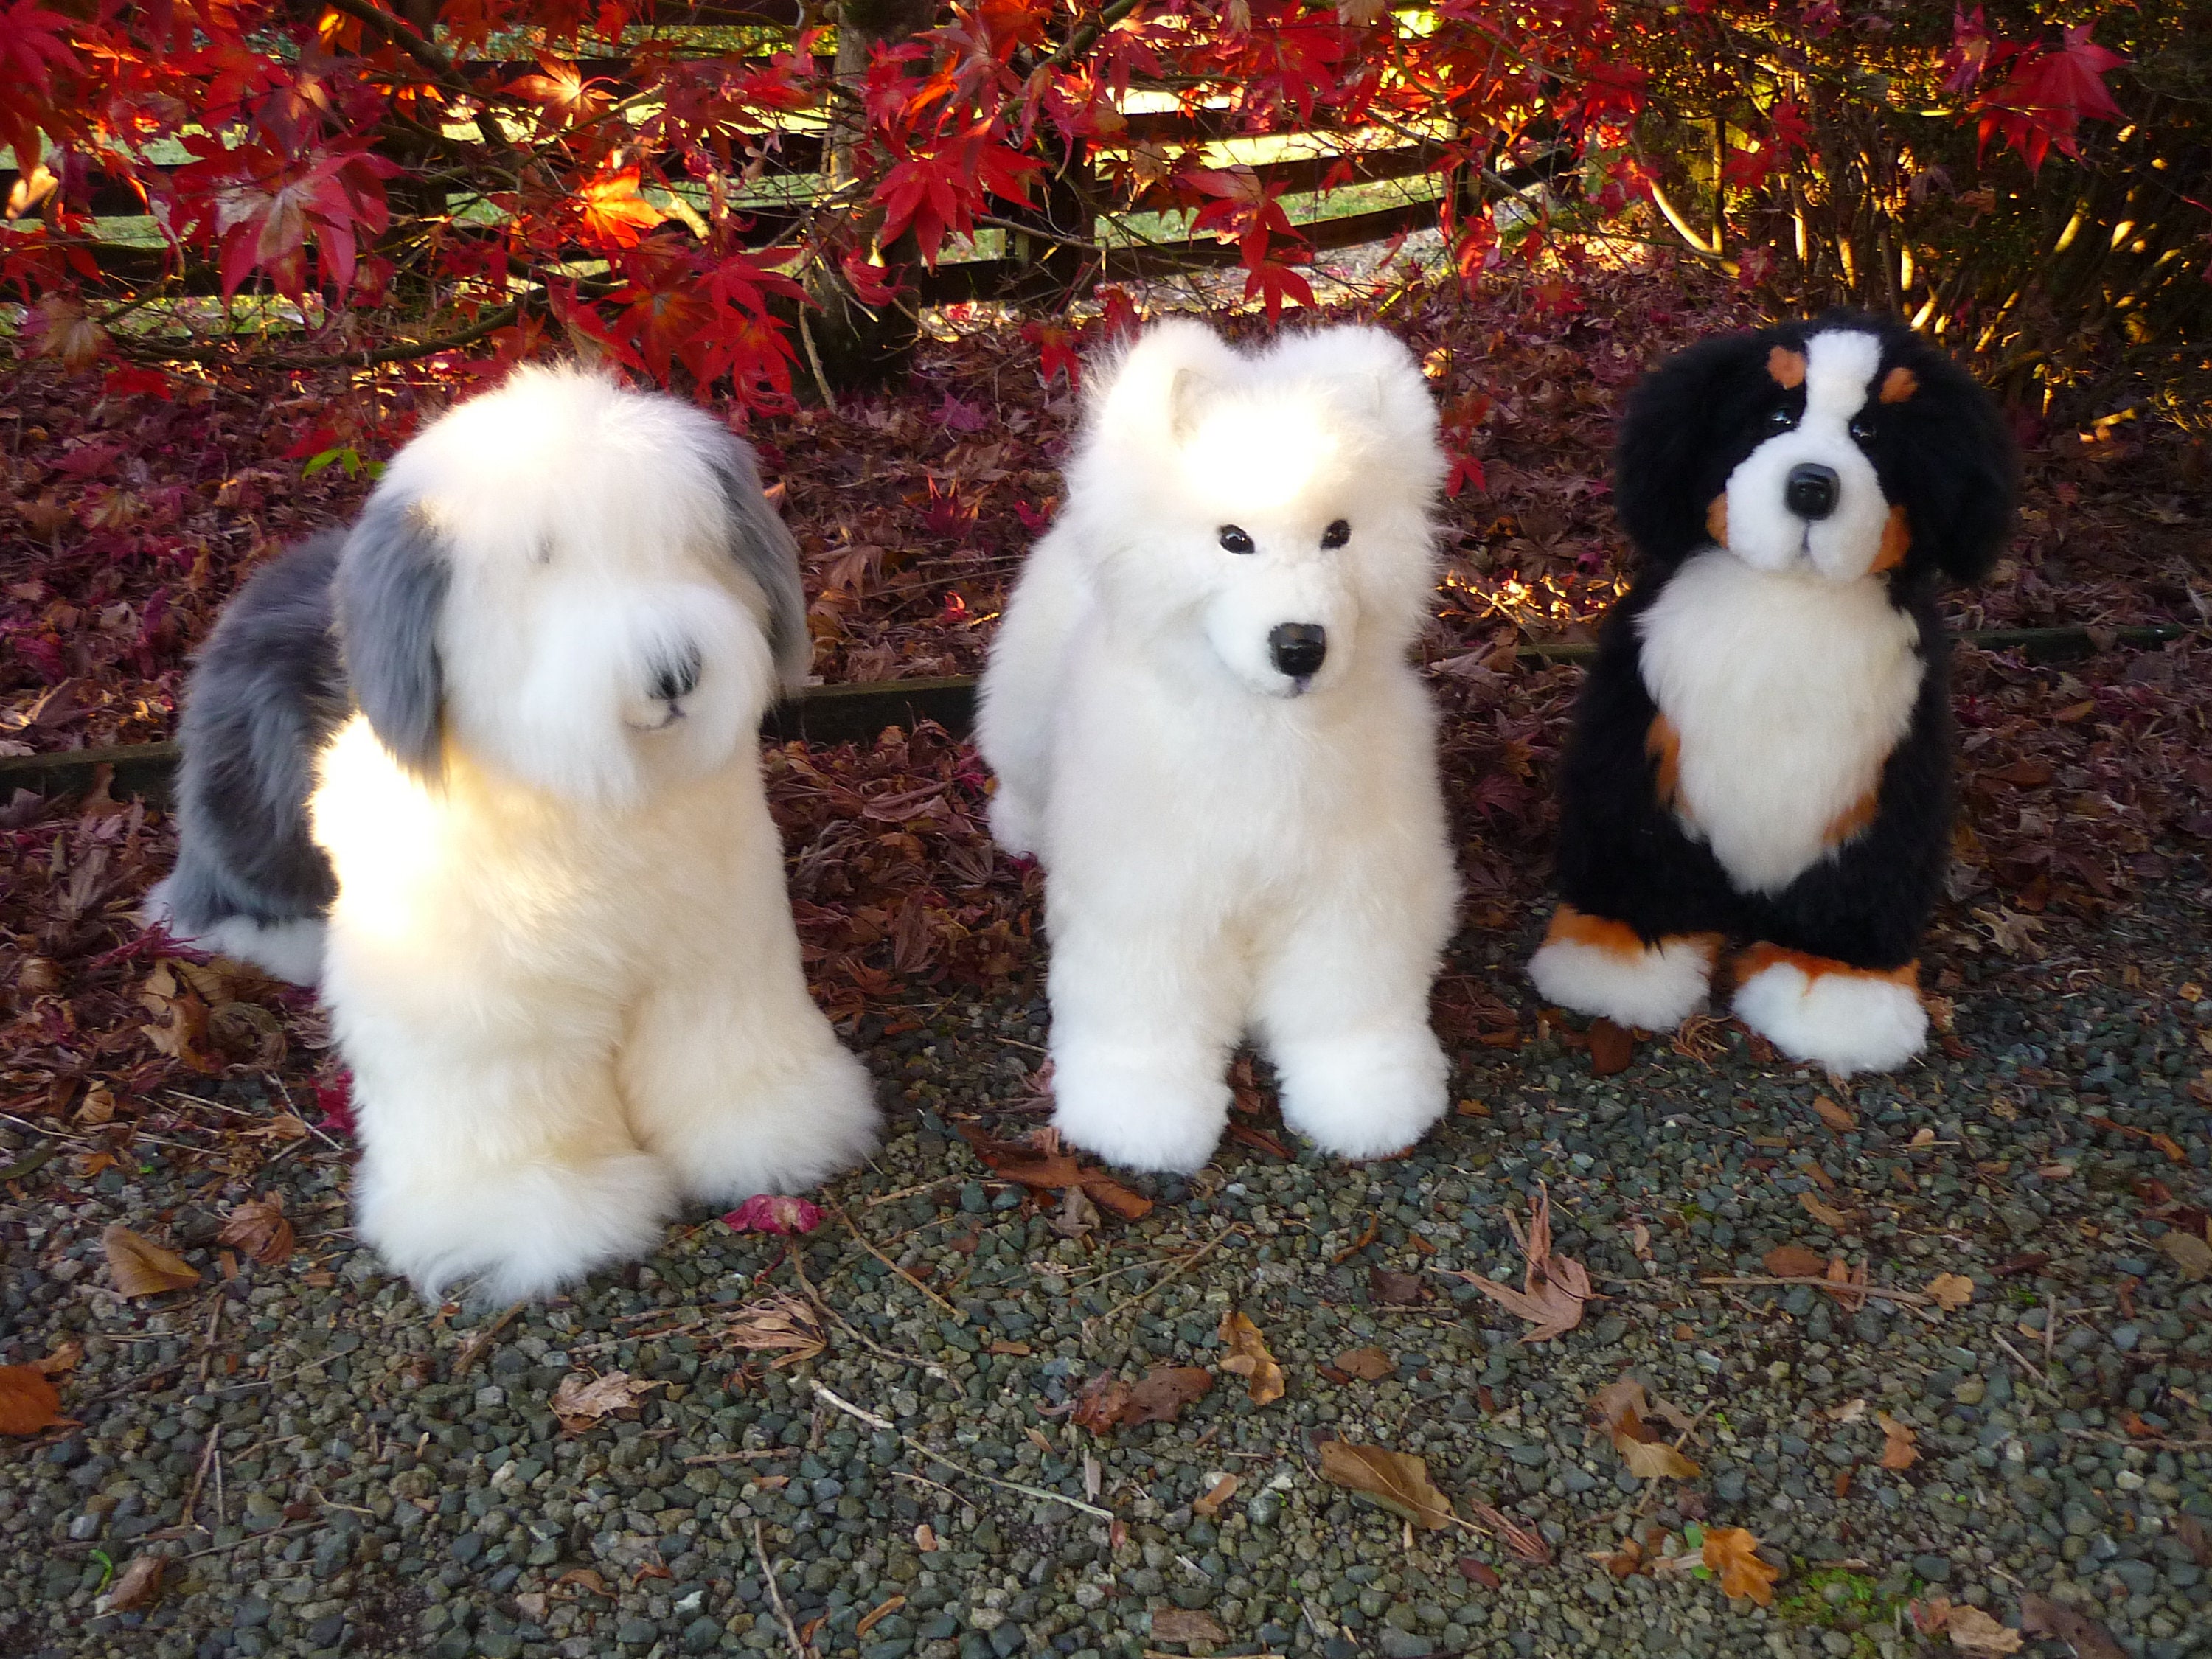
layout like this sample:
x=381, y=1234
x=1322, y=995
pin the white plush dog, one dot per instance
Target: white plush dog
x=1204, y=724
x=493, y=759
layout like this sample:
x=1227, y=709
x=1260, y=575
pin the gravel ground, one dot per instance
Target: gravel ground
x=331, y=1466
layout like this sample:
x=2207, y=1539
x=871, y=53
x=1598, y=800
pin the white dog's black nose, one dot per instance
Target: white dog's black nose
x=676, y=681
x=1811, y=491
x=1298, y=648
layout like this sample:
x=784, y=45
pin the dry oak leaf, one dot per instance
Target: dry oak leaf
x=1826, y=1214
x=1900, y=1448
x=258, y=1228
x=28, y=1403
x=138, y=1585
x=142, y=1267
x=1839, y=1118
x=1249, y=1358
x=1975, y=1631
x=61, y=1358
x=1053, y=1171
x=1368, y=1364
x=782, y=1324
x=581, y=1401
x=2190, y=1254
x=1555, y=1287
x=1399, y=1481
x=1620, y=1409
x=1107, y=1403
x=1796, y=1262
x=1179, y=1625
x=1527, y=1544
x=1951, y=1291
x=2040, y=1616
x=1731, y=1552
x=1222, y=1491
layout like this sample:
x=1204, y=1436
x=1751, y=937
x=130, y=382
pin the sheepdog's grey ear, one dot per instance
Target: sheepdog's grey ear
x=389, y=593
x=1164, y=382
x=764, y=550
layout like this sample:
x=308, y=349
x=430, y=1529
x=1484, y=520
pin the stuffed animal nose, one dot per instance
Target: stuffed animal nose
x=1811, y=491
x=676, y=681
x=1298, y=648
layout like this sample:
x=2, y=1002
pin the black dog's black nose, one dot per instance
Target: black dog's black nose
x=676, y=681
x=1298, y=648
x=1811, y=491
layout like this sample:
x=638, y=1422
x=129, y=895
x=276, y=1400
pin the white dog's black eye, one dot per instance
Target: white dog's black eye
x=1336, y=534
x=1235, y=539
x=1781, y=420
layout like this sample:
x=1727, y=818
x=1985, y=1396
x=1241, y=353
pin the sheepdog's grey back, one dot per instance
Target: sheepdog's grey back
x=267, y=693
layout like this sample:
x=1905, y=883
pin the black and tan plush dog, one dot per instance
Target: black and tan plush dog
x=1762, y=753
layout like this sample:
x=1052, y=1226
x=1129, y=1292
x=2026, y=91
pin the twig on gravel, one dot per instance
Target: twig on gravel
x=895, y=1266
x=208, y=1456
x=1168, y=1278
x=776, y=1596
x=250, y=1538
x=2161, y=1441
x=829, y=1396
x=1908, y=1298
x=734, y=1456
x=479, y=1341
x=930, y=1366
x=2026, y=1364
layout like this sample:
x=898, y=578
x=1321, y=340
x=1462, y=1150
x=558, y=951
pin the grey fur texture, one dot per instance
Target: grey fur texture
x=764, y=550
x=390, y=591
x=267, y=693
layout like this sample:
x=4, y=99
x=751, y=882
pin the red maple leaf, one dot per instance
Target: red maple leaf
x=612, y=213
x=32, y=48
x=2040, y=106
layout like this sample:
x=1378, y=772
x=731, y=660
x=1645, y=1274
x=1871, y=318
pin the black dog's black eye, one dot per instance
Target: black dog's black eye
x=1781, y=420
x=1336, y=534
x=1862, y=429
x=1235, y=539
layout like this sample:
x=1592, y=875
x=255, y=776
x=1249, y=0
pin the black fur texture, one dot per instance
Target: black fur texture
x=1945, y=456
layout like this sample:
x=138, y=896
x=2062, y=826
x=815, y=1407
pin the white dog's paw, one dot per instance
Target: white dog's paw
x=783, y=1137
x=1601, y=968
x=1137, y=1111
x=1367, y=1096
x=513, y=1232
x=1847, y=1019
x=291, y=950
x=1016, y=822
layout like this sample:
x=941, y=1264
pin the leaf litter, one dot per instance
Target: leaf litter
x=1554, y=1288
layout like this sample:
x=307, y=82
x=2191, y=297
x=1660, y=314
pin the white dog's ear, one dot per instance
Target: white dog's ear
x=1376, y=370
x=765, y=550
x=1164, y=382
x=388, y=596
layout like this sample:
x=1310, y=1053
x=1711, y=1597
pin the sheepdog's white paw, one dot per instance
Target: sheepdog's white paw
x=1598, y=967
x=1016, y=822
x=779, y=1136
x=291, y=950
x=1138, y=1108
x=1365, y=1096
x=1847, y=1019
x=510, y=1232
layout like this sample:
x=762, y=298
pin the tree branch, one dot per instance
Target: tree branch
x=399, y=351
x=433, y=57
x=1083, y=36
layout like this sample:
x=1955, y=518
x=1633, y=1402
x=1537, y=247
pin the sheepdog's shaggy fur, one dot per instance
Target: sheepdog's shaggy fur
x=1762, y=753
x=486, y=769
x=1203, y=723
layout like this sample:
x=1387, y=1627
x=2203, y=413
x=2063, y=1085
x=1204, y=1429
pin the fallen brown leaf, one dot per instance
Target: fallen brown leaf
x=2191, y=1533
x=1480, y=1572
x=1055, y=1171
x=258, y=1228
x=1554, y=1287
x=1951, y=1291
x=1077, y=1215
x=1528, y=1545
x=1622, y=1563
x=1221, y=1492
x=138, y=1585
x=1397, y=1480
x=581, y=1401
x=1826, y=1214
x=28, y=1403
x=586, y=1579
x=1181, y=1624
x=1839, y=1118
x=1249, y=1358
x=876, y=1614
x=1107, y=1403
x=1975, y=1631
x=1731, y=1552
x=1796, y=1262
x=1611, y=1048
x=61, y=1358
x=1900, y=1446
x=2040, y=1616
x=2189, y=1253
x=142, y=1267
x=1389, y=1288
x=1620, y=1409
x=1368, y=1364
x=783, y=1324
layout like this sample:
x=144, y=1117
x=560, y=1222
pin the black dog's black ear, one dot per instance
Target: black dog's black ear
x=1664, y=460
x=390, y=592
x=1957, y=467
x=764, y=550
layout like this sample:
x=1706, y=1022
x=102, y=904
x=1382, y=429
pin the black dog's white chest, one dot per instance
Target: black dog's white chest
x=1785, y=693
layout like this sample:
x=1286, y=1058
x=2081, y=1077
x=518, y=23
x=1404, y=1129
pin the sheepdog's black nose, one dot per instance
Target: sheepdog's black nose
x=1811, y=491
x=676, y=681
x=1298, y=648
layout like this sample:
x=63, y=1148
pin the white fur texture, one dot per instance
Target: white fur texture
x=1762, y=531
x=1846, y=1022
x=1788, y=692
x=564, y=973
x=291, y=950
x=1231, y=850
x=1656, y=989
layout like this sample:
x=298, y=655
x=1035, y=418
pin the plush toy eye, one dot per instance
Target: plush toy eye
x=1781, y=420
x=1336, y=534
x=1862, y=429
x=1235, y=539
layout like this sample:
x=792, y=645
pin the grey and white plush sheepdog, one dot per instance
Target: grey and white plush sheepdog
x=485, y=770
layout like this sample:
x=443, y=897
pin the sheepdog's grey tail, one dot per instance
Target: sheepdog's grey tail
x=267, y=693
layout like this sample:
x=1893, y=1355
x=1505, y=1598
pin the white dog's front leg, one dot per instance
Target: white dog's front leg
x=741, y=1087
x=511, y=1169
x=1343, y=1012
x=1143, y=1021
